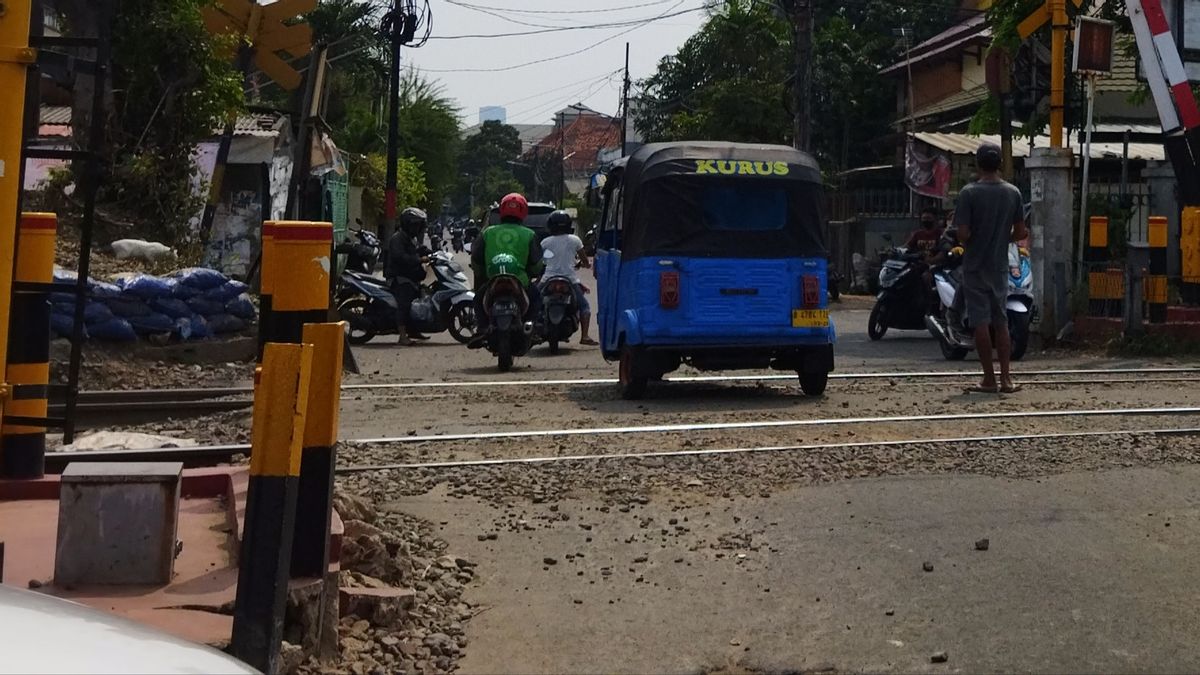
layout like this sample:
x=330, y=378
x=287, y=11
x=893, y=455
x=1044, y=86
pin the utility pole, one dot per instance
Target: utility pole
x=400, y=28
x=625, y=104
x=562, y=159
x=800, y=12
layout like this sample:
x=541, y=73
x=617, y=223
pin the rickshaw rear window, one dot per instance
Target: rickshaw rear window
x=729, y=217
x=744, y=207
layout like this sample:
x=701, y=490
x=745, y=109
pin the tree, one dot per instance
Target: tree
x=732, y=79
x=171, y=85
x=727, y=82
x=370, y=172
x=484, y=167
x=429, y=133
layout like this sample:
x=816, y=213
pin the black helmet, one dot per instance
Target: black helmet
x=560, y=222
x=412, y=220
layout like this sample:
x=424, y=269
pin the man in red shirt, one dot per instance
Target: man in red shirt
x=925, y=238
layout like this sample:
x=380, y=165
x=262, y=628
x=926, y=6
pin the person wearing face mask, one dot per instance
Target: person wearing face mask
x=925, y=238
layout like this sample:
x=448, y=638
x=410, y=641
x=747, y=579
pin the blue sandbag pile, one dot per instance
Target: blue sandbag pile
x=191, y=304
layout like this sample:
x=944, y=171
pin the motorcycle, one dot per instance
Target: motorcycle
x=560, y=312
x=506, y=305
x=363, y=255
x=903, y=299
x=952, y=331
x=367, y=304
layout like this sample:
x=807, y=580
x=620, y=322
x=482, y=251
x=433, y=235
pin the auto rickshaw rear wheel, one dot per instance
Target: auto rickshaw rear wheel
x=633, y=387
x=813, y=384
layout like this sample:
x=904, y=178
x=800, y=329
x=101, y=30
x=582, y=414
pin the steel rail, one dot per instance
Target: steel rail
x=761, y=449
x=116, y=395
x=764, y=378
x=772, y=424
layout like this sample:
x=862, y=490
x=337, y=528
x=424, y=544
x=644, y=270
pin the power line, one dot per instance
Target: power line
x=557, y=89
x=614, y=24
x=549, y=58
x=557, y=11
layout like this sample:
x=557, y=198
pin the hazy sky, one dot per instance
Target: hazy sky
x=533, y=93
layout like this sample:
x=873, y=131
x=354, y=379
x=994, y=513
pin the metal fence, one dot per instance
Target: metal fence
x=1133, y=199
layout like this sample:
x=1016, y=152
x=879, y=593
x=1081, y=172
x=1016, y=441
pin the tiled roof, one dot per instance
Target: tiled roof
x=965, y=144
x=963, y=99
x=582, y=140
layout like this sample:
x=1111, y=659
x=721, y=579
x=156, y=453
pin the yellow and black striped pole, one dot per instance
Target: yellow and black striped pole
x=314, y=499
x=1094, y=256
x=22, y=444
x=299, y=269
x=266, y=283
x=280, y=411
x=1189, y=252
x=1156, y=279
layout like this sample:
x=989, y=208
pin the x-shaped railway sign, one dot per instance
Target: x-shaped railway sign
x=263, y=29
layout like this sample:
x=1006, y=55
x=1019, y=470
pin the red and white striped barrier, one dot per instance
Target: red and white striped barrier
x=1172, y=65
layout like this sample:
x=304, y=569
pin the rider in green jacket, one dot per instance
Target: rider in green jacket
x=506, y=248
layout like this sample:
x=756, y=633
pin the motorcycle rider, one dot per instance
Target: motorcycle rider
x=404, y=269
x=508, y=238
x=925, y=238
x=560, y=251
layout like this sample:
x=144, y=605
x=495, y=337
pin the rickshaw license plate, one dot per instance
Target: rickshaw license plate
x=810, y=318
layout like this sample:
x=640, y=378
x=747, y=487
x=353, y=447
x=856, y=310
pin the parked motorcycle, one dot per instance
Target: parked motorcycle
x=560, y=312
x=509, y=335
x=367, y=304
x=954, y=335
x=903, y=299
x=362, y=252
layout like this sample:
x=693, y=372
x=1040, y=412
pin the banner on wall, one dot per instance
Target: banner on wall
x=926, y=171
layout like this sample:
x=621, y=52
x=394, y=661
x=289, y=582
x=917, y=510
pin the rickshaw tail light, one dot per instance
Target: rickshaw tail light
x=811, y=290
x=668, y=290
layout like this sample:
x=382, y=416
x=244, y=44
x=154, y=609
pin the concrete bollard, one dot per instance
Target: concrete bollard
x=300, y=268
x=1156, y=280
x=22, y=441
x=280, y=411
x=314, y=501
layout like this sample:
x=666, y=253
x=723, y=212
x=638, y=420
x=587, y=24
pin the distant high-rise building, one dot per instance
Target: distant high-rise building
x=490, y=113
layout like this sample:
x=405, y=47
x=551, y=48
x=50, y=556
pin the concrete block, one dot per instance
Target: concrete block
x=382, y=606
x=117, y=523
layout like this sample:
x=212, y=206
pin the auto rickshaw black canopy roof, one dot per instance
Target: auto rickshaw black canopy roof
x=666, y=188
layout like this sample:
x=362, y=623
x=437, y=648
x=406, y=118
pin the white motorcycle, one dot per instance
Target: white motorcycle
x=950, y=327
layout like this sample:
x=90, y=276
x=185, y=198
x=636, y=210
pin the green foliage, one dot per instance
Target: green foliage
x=358, y=88
x=371, y=173
x=483, y=166
x=987, y=119
x=172, y=85
x=429, y=134
x=728, y=81
x=587, y=215
x=732, y=79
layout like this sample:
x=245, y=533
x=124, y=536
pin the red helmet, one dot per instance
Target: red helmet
x=513, y=205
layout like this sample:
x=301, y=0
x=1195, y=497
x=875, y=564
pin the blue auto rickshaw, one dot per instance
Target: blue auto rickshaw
x=713, y=254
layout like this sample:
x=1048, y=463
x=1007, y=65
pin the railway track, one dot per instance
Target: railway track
x=117, y=400
x=206, y=455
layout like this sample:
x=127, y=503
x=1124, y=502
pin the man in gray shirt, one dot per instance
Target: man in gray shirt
x=989, y=215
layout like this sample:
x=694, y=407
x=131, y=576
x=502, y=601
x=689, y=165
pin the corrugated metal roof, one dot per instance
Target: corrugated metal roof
x=250, y=124
x=55, y=114
x=963, y=144
x=961, y=99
